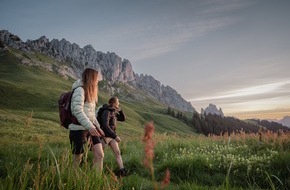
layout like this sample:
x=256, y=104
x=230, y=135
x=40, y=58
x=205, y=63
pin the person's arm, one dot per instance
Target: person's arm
x=120, y=115
x=77, y=108
x=105, y=124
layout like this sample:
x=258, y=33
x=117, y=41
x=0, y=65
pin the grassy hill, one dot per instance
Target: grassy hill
x=33, y=91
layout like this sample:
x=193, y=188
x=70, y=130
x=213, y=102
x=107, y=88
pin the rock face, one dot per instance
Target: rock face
x=285, y=121
x=164, y=94
x=212, y=109
x=12, y=40
x=111, y=67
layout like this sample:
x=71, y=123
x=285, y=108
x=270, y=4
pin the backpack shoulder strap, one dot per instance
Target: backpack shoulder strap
x=79, y=87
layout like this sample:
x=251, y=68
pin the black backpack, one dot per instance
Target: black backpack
x=99, y=113
x=65, y=114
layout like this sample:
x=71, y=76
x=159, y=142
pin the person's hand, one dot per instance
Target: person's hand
x=101, y=132
x=117, y=108
x=118, y=139
x=93, y=131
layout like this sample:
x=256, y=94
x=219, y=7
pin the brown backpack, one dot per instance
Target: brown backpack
x=65, y=114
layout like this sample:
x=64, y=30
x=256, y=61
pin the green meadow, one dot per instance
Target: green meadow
x=35, y=151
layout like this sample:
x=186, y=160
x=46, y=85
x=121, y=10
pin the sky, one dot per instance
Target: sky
x=232, y=53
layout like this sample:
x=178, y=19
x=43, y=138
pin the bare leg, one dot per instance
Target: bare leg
x=115, y=147
x=103, y=145
x=98, y=156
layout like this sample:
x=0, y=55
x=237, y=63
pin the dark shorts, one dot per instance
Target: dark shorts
x=79, y=138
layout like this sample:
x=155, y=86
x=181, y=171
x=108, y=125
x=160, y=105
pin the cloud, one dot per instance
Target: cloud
x=278, y=113
x=152, y=37
x=249, y=91
x=260, y=104
x=261, y=101
x=222, y=6
x=172, y=38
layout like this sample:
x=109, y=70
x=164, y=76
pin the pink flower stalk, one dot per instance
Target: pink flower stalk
x=149, y=144
x=166, y=179
x=149, y=155
x=149, y=131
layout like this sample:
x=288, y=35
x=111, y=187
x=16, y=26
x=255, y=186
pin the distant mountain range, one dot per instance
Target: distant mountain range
x=284, y=121
x=74, y=60
x=212, y=109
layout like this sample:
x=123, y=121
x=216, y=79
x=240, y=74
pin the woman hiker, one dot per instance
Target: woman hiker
x=108, y=118
x=83, y=103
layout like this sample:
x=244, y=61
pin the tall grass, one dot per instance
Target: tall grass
x=55, y=172
x=201, y=163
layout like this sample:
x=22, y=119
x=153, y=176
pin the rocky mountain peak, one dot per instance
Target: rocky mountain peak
x=89, y=48
x=212, y=109
x=110, y=66
x=164, y=94
x=38, y=44
x=285, y=121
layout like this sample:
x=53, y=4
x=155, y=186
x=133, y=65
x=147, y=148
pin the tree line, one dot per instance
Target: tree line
x=212, y=124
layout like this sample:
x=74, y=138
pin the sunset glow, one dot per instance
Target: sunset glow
x=234, y=54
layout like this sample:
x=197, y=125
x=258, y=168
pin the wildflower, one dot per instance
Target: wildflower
x=149, y=131
x=149, y=144
x=149, y=155
x=166, y=179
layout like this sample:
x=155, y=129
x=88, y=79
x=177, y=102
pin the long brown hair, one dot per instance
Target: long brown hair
x=112, y=101
x=90, y=84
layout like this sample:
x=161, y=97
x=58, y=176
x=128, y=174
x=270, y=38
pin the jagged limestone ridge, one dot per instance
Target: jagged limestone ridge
x=111, y=66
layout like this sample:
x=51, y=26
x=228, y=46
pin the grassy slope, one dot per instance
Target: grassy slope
x=29, y=117
x=26, y=90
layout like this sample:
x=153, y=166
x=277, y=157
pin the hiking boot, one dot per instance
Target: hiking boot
x=123, y=172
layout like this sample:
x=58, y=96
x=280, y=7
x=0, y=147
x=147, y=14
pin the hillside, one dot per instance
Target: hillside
x=32, y=90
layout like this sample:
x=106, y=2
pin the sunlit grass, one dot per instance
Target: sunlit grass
x=194, y=162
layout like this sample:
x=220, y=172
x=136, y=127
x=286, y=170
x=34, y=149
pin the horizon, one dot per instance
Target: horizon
x=234, y=54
